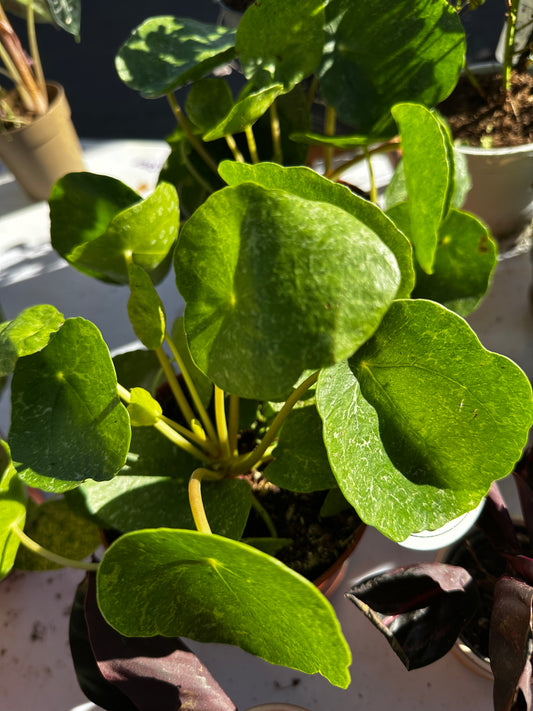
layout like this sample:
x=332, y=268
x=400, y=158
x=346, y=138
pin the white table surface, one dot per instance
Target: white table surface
x=36, y=672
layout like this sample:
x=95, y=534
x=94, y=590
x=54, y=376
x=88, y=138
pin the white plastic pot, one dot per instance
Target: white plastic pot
x=502, y=181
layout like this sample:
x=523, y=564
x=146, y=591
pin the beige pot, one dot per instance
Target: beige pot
x=41, y=152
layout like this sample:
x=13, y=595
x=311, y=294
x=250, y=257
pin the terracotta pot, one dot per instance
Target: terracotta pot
x=502, y=181
x=43, y=151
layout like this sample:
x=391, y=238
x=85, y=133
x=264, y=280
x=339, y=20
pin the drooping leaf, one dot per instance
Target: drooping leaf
x=164, y=53
x=66, y=14
x=143, y=409
x=343, y=142
x=434, y=419
x=145, y=309
x=225, y=591
x=421, y=53
x=208, y=102
x=99, y=226
x=308, y=184
x=420, y=609
x=268, y=280
x=68, y=424
x=12, y=510
x=27, y=333
x=428, y=167
x=279, y=42
x=511, y=644
x=57, y=528
x=141, y=669
x=300, y=461
x=465, y=259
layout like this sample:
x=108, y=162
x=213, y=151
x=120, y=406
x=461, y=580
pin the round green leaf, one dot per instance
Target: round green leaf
x=68, y=424
x=208, y=588
x=385, y=52
x=250, y=106
x=434, y=420
x=275, y=285
x=27, y=333
x=208, y=102
x=145, y=308
x=99, y=225
x=55, y=527
x=280, y=42
x=12, y=510
x=308, y=184
x=166, y=52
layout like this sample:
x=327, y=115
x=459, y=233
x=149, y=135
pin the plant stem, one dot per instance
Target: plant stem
x=193, y=140
x=204, y=443
x=232, y=145
x=312, y=91
x=275, y=130
x=167, y=431
x=252, y=145
x=222, y=425
x=175, y=386
x=251, y=459
x=34, y=49
x=329, y=131
x=206, y=420
x=233, y=426
x=192, y=170
x=511, y=18
x=50, y=555
x=373, y=188
x=265, y=516
x=195, y=497
x=382, y=148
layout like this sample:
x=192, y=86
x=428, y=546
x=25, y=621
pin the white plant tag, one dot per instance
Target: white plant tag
x=524, y=27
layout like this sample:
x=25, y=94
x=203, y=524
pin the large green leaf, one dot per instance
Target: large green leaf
x=12, y=510
x=27, y=333
x=428, y=167
x=68, y=424
x=129, y=503
x=99, y=225
x=384, y=52
x=145, y=309
x=280, y=42
x=275, y=285
x=464, y=261
x=300, y=461
x=208, y=588
x=55, y=527
x=308, y=184
x=164, y=53
x=434, y=418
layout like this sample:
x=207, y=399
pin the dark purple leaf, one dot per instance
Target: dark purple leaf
x=495, y=521
x=523, y=566
x=511, y=644
x=524, y=483
x=420, y=609
x=144, y=669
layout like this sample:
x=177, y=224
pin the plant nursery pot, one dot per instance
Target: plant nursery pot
x=41, y=152
x=502, y=180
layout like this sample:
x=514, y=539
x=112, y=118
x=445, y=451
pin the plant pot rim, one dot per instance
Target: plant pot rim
x=53, y=98
x=492, y=68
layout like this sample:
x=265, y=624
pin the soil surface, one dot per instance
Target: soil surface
x=495, y=119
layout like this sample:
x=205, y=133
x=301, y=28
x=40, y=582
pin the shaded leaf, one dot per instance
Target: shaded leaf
x=225, y=590
x=420, y=609
x=166, y=52
x=268, y=283
x=138, y=368
x=208, y=102
x=203, y=385
x=68, y=424
x=145, y=309
x=247, y=109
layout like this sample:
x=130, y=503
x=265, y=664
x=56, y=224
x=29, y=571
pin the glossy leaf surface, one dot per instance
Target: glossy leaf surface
x=27, y=333
x=68, y=424
x=145, y=309
x=212, y=589
x=434, y=419
x=269, y=284
x=12, y=510
x=143, y=410
x=99, y=225
x=421, y=53
x=164, y=53
x=279, y=42
x=308, y=184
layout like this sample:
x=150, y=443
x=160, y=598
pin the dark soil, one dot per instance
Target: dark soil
x=317, y=541
x=496, y=119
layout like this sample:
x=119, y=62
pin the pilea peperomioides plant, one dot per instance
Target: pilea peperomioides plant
x=318, y=352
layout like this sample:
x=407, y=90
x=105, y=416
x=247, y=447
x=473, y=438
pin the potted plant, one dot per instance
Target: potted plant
x=322, y=359
x=479, y=595
x=38, y=142
x=490, y=117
